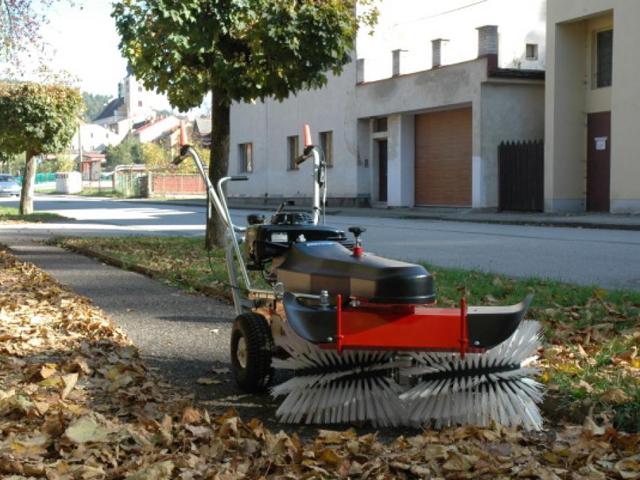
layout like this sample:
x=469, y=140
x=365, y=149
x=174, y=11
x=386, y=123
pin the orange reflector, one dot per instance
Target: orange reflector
x=183, y=134
x=307, y=135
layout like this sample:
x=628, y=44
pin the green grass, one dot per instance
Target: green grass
x=11, y=215
x=100, y=192
x=590, y=334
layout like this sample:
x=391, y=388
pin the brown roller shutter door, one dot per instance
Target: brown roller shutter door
x=443, y=158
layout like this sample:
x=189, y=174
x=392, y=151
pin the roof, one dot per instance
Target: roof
x=203, y=125
x=110, y=109
x=517, y=73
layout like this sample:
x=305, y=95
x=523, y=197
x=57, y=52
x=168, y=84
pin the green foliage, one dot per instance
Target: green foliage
x=153, y=155
x=11, y=163
x=94, y=103
x=37, y=118
x=241, y=50
x=62, y=163
x=128, y=152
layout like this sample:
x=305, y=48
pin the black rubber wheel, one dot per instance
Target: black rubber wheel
x=251, y=350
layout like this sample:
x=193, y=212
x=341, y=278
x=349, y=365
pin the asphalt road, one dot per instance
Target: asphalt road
x=607, y=258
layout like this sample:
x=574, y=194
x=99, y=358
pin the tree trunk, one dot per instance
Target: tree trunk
x=28, y=180
x=218, y=163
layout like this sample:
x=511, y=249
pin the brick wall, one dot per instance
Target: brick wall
x=173, y=184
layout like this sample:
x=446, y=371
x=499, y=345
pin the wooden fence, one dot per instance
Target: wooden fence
x=521, y=176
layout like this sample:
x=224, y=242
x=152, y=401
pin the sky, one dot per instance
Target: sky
x=84, y=42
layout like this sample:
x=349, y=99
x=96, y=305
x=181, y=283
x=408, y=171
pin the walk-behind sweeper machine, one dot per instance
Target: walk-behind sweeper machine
x=359, y=334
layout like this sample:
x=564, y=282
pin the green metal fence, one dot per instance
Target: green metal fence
x=130, y=184
x=40, y=178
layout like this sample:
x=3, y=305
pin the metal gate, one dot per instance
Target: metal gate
x=521, y=176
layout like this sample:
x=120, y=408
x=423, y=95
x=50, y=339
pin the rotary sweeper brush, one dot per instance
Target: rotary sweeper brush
x=359, y=334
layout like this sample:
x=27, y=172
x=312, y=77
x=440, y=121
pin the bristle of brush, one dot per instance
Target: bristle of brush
x=352, y=387
x=481, y=388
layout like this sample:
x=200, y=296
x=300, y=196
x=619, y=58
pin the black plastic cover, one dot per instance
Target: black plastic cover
x=315, y=266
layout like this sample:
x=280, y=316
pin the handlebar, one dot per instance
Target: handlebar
x=184, y=153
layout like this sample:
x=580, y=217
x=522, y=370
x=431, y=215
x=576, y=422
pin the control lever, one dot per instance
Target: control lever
x=357, y=231
x=308, y=150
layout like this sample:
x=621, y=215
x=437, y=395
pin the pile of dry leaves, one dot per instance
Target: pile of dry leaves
x=76, y=402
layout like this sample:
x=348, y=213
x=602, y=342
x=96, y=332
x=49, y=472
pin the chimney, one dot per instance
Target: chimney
x=437, y=52
x=487, y=40
x=360, y=70
x=397, y=54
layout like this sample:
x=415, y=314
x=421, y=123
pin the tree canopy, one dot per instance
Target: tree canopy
x=36, y=119
x=94, y=103
x=127, y=152
x=239, y=50
x=242, y=50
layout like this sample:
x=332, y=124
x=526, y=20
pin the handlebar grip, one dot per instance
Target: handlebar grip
x=184, y=150
x=239, y=178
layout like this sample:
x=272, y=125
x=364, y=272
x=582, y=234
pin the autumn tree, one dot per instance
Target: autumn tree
x=36, y=119
x=238, y=51
x=20, y=23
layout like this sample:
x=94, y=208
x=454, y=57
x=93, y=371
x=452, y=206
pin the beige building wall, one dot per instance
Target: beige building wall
x=571, y=96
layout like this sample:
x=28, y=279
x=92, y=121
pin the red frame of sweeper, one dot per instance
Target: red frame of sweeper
x=369, y=326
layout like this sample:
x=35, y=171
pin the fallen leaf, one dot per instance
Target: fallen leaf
x=86, y=429
x=208, y=381
x=157, y=471
x=69, y=381
x=615, y=396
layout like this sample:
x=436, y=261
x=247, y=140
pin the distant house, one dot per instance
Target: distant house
x=202, y=131
x=91, y=165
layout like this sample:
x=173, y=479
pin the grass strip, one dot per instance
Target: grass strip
x=12, y=215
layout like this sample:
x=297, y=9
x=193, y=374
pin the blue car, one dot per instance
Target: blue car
x=8, y=186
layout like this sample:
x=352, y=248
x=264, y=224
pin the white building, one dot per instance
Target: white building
x=593, y=106
x=416, y=119
x=132, y=106
x=95, y=138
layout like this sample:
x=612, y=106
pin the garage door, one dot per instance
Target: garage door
x=443, y=158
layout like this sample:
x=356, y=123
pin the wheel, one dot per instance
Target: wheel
x=251, y=347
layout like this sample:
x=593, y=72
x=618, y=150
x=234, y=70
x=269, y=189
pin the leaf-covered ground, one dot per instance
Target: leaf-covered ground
x=76, y=402
x=11, y=215
x=590, y=361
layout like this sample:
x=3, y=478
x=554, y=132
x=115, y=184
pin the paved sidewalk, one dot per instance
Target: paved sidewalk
x=577, y=220
x=184, y=336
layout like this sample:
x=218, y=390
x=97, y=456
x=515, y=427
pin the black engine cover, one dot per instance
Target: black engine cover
x=315, y=266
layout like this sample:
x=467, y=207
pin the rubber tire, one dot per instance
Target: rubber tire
x=258, y=373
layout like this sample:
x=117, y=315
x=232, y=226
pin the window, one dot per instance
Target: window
x=326, y=144
x=139, y=103
x=532, y=51
x=604, y=58
x=380, y=125
x=246, y=157
x=292, y=152
x=140, y=89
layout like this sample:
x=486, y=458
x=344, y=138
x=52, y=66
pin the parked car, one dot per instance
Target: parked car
x=8, y=186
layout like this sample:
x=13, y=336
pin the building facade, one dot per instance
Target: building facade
x=416, y=118
x=592, y=106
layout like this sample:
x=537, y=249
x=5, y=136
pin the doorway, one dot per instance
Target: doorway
x=598, y=161
x=382, y=170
